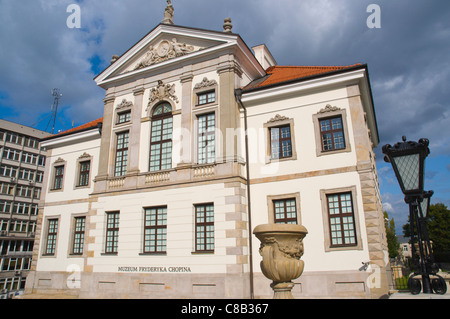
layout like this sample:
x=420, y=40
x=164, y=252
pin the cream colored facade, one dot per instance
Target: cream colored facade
x=176, y=66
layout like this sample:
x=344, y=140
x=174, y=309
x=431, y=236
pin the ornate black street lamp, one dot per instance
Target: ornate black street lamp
x=408, y=161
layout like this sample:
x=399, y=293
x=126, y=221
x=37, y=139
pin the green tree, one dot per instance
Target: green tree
x=439, y=231
x=438, y=227
x=393, y=244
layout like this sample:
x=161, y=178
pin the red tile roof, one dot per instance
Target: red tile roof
x=280, y=74
x=83, y=127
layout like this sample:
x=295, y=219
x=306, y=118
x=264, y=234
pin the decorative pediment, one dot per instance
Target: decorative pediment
x=205, y=84
x=167, y=44
x=84, y=156
x=328, y=108
x=124, y=104
x=161, y=92
x=163, y=51
x=278, y=118
x=60, y=161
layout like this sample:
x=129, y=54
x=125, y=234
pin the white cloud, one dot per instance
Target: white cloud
x=388, y=207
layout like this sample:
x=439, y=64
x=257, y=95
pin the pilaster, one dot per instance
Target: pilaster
x=135, y=132
x=103, y=165
x=228, y=111
x=186, y=120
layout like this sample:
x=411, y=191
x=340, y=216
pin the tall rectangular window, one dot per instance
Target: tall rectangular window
x=161, y=138
x=341, y=219
x=59, y=175
x=78, y=236
x=204, y=228
x=52, y=232
x=83, y=179
x=280, y=142
x=332, y=133
x=285, y=211
x=121, y=154
x=112, y=232
x=206, y=138
x=155, y=230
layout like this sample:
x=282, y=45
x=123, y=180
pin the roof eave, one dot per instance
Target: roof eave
x=306, y=78
x=63, y=134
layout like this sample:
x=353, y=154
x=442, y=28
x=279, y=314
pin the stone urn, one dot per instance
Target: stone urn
x=281, y=249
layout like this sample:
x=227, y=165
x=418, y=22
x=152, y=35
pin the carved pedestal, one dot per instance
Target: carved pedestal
x=281, y=249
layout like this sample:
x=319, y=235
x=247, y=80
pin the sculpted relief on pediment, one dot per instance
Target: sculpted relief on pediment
x=164, y=51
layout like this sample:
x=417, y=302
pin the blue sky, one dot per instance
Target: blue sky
x=408, y=60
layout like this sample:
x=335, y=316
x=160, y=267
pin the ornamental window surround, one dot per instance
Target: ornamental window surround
x=340, y=216
x=83, y=171
x=331, y=131
x=341, y=219
x=58, y=169
x=280, y=139
x=206, y=93
x=123, y=113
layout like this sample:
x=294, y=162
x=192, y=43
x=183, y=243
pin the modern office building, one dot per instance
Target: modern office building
x=202, y=139
x=22, y=162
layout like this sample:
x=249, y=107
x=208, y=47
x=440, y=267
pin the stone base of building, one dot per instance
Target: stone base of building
x=62, y=285
x=322, y=285
x=138, y=286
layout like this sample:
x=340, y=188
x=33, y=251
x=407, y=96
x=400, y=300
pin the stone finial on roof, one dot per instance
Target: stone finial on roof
x=227, y=26
x=168, y=13
x=114, y=58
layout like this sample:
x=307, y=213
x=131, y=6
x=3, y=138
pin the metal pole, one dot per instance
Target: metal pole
x=426, y=285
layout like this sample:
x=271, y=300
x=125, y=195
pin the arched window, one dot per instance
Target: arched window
x=161, y=137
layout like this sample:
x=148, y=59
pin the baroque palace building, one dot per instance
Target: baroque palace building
x=202, y=139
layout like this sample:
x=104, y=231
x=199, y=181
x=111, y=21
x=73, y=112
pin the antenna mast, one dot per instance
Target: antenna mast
x=54, y=110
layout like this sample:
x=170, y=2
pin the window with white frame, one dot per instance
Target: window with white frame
x=121, y=160
x=52, y=233
x=155, y=229
x=112, y=232
x=204, y=227
x=11, y=154
x=13, y=138
x=78, y=235
x=8, y=171
x=5, y=206
x=206, y=138
x=161, y=137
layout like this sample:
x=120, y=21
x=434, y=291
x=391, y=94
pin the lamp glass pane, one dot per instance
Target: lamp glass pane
x=424, y=206
x=408, y=168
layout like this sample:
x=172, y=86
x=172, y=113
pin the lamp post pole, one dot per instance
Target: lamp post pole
x=408, y=161
x=423, y=246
